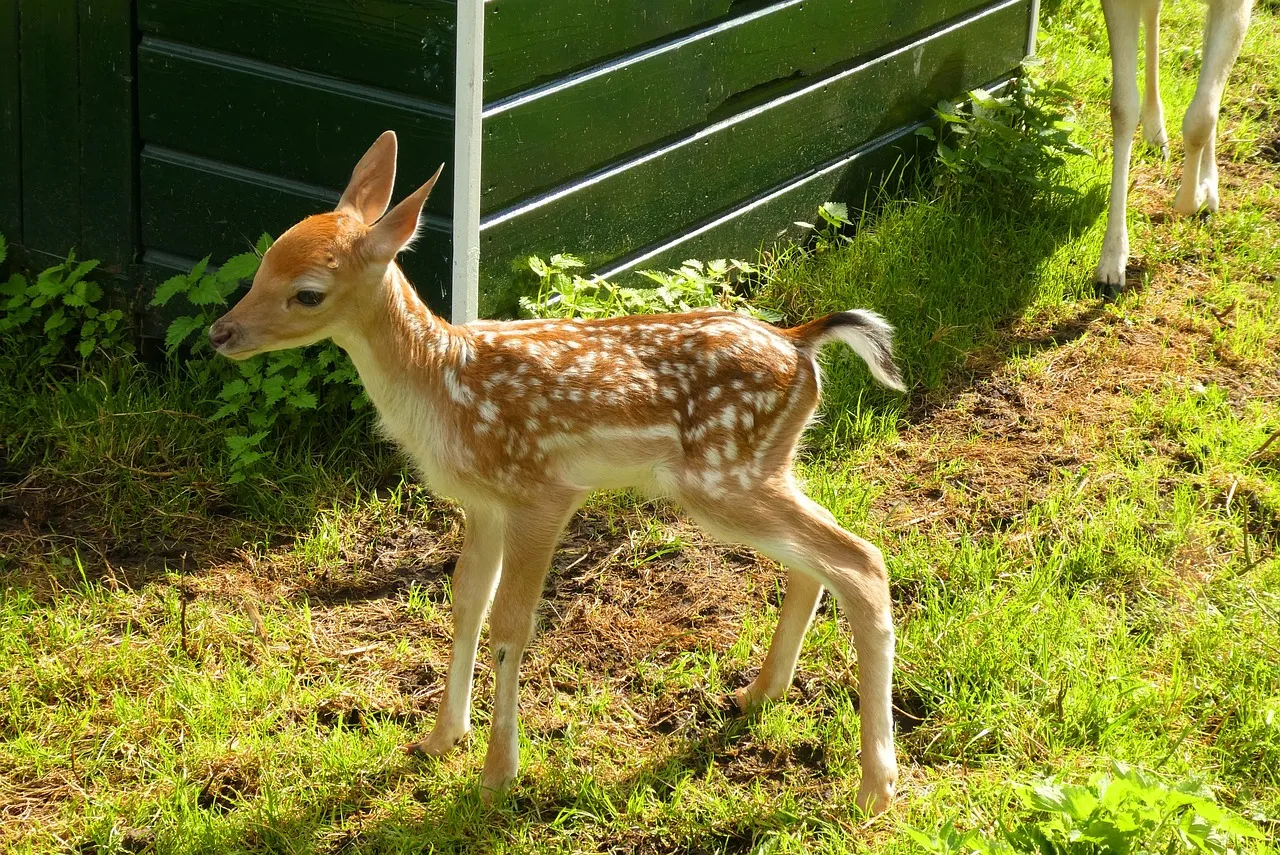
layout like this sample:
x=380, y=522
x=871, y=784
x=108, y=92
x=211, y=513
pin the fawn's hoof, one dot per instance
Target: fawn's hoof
x=1109, y=275
x=874, y=798
x=1197, y=201
x=1161, y=142
x=495, y=788
x=435, y=745
x=1108, y=291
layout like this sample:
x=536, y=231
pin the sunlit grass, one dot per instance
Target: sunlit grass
x=1081, y=534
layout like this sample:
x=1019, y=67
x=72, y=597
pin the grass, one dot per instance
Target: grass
x=1081, y=527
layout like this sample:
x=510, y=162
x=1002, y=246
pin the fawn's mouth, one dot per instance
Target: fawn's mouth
x=239, y=354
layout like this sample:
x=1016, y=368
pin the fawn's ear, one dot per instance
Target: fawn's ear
x=398, y=228
x=369, y=191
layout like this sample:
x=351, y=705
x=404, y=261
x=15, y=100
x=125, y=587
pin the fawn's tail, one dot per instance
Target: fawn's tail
x=870, y=336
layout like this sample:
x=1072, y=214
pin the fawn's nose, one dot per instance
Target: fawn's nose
x=223, y=333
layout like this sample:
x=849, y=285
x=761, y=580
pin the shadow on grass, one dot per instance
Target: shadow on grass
x=950, y=272
x=364, y=815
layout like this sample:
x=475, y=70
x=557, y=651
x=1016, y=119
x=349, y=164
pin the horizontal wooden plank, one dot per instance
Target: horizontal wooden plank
x=403, y=45
x=50, y=105
x=772, y=217
x=666, y=191
x=10, y=127
x=108, y=229
x=855, y=178
x=542, y=138
x=530, y=41
x=192, y=207
x=283, y=122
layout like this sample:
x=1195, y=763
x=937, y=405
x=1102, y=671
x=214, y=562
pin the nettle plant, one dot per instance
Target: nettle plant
x=257, y=393
x=60, y=312
x=1125, y=812
x=1014, y=144
x=564, y=293
x=830, y=231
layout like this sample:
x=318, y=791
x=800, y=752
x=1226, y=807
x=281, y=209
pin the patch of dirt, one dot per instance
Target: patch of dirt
x=729, y=839
x=979, y=457
x=34, y=802
x=1269, y=150
x=351, y=714
x=228, y=782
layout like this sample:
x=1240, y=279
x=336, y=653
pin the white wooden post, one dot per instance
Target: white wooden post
x=468, y=105
x=1033, y=28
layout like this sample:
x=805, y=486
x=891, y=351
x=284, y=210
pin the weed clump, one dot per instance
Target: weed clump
x=1014, y=145
x=1126, y=812
x=565, y=293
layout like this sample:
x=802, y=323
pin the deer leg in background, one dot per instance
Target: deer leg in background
x=1122, y=34
x=1224, y=31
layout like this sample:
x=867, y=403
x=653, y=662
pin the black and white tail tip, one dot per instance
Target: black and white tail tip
x=870, y=336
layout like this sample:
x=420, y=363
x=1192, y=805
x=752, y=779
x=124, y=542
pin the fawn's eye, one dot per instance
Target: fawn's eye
x=309, y=298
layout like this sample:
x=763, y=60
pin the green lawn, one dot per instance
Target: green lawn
x=1081, y=529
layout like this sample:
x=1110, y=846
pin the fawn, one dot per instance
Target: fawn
x=519, y=420
x=1224, y=32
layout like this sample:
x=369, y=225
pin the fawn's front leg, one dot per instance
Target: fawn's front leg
x=528, y=543
x=473, y=583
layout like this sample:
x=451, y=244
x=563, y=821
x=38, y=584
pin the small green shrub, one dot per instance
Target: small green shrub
x=59, y=313
x=1126, y=812
x=834, y=217
x=1015, y=144
x=257, y=393
x=563, y=293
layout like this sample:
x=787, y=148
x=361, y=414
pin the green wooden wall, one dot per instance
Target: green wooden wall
x=153, y=132
x=669, y=137
x=251, y=114
x=66, y=128
x=10, y=125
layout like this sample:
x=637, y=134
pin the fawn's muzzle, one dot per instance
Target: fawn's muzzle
x=224, y=334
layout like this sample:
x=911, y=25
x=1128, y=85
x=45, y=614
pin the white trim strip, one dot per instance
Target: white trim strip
x=635, y=261
x=468, y=109
x=1033, y=28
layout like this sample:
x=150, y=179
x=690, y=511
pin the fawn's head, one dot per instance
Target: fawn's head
x=315, y=279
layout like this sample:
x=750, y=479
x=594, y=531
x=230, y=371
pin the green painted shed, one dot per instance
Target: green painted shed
x=149, y=133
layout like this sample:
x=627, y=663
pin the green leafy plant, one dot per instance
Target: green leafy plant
x=564, y=293
x=834, y=217
x=1126, y=812
x=1014, y=144
x=206, y=292
x=257, y=393
x=59, y=313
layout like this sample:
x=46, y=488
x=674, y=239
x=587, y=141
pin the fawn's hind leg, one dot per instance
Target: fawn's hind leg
x=1122, y=35
x=1153, y=129
x=798, y=606
x=784, y=524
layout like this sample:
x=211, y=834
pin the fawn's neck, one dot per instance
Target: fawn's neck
x=399, y=347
